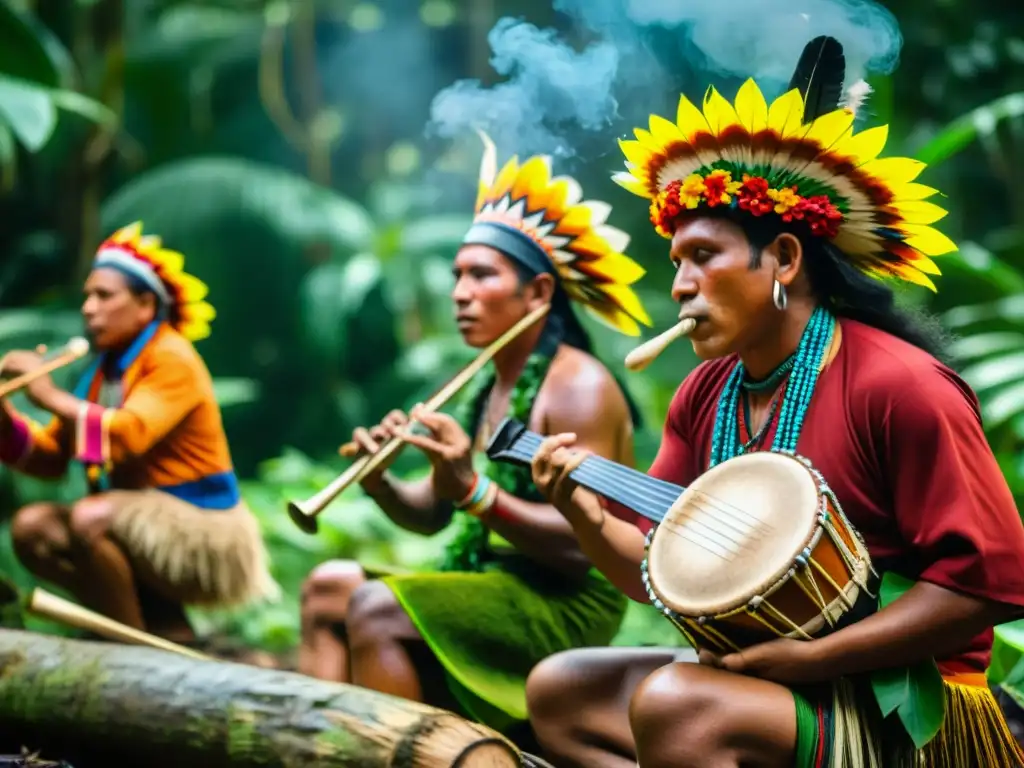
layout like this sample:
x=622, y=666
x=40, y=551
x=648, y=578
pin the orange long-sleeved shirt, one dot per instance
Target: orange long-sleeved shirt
x=166, y=432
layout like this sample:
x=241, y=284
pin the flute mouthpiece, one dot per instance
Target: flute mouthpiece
x=78, y=347
x=645, y=354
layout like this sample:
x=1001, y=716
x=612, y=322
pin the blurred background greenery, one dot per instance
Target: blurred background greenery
x=282, y=147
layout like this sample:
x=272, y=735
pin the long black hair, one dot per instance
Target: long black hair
x=842, y=288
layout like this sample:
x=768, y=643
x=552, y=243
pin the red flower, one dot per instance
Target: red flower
x=753, y=196
x=820, y=214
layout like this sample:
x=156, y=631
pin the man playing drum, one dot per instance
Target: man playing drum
x=780, y=219
x=514, y=587
x=163, y=524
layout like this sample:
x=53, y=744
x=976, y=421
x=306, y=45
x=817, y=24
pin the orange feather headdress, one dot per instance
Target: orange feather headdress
x=181, y=295
x=544, y=222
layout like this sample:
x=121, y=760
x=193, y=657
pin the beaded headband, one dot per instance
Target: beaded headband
x=144, y=257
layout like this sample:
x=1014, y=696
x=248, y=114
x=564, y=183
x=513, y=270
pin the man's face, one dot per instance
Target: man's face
x=113, y=315
x=489, y=298
x=716, y=285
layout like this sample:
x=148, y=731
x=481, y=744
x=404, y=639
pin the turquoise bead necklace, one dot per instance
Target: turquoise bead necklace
x=802, y=368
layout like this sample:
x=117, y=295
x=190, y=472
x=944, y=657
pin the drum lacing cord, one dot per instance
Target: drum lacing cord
x=852, y=559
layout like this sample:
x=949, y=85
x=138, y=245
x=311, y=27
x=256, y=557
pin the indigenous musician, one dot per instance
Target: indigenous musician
x=780, y=219
x=514, y=587
x=164, y=524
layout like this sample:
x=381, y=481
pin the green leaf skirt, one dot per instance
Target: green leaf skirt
x=489, y=629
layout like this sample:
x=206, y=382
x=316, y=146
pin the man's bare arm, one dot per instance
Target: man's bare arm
x=588, y=402
x=410, y=504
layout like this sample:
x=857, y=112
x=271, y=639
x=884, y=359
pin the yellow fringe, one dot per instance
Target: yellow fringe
x=975, y=733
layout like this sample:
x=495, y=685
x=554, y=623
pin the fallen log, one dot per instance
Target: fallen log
x=93, y=702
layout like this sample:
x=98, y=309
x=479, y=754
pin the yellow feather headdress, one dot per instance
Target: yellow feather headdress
x=162, y=270
x=771, y=159
x=543, y=221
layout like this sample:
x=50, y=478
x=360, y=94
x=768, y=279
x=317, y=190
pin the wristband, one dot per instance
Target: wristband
x=480, y=486
x=488, y=497
x=471, y=496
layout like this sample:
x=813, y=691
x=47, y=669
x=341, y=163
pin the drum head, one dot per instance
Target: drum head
x=733, y=533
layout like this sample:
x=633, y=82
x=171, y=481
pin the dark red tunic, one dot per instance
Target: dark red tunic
x=899, y=438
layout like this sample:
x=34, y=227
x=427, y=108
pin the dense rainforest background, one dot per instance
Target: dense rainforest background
x=314, y=161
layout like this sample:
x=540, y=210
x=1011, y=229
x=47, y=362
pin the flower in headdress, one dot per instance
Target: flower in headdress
x=719, y=188
x=819, y=172
x=181, y=295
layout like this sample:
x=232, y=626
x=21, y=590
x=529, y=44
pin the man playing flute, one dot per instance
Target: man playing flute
x=781, y=218
x=163, y=524
x=513, y=587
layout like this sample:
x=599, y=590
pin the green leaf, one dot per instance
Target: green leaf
x=1014, y=684
x=28, y=110
x=206, y=189
x=893, y=588
x=982, y=345
x=915, y=693
x=996, y=371
x=965, y=129
x=1003, y=405
x=31, y=110
x=23, y=48
x=1007, y=654
x=72, y=101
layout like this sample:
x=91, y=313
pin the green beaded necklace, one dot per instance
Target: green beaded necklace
x=468, y=550
x=802, y=368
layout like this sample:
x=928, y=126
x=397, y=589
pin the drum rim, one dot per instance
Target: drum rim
x=772, y=582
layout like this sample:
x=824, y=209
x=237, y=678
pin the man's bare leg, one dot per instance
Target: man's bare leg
x=70, y=547
x=579, y=703
x=380, y=633
x=323, y=650
x=701, y=717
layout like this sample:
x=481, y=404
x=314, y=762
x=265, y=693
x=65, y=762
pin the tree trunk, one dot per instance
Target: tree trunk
x=94, y=703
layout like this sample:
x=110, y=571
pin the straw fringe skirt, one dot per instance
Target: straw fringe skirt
x=974, y=735
x=202, y=557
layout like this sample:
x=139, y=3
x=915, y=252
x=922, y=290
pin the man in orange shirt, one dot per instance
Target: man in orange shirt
x=164, y=523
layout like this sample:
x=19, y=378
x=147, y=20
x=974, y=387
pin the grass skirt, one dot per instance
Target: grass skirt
x=843, y=728
x=203, y=557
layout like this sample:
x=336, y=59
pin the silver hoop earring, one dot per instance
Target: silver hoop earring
x=779, y=295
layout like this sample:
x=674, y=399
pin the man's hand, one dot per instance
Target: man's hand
x=551, y=467
x=784, y=661
x=449, y=450
x=19, y=362
x=370, y=441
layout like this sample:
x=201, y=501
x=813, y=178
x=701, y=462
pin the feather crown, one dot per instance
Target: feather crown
x=144, y=257
x=543, y=221
x=798, y=158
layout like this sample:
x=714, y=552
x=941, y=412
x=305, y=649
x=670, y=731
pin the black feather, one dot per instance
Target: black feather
x=819, y=76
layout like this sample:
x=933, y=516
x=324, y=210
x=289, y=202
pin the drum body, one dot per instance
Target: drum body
x=755, y=549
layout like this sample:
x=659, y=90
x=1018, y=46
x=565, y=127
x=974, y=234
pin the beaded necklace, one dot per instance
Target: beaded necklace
x=802, y=367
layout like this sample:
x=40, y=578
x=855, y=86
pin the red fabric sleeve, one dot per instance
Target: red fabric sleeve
x=674, y=454
x=952, y=504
